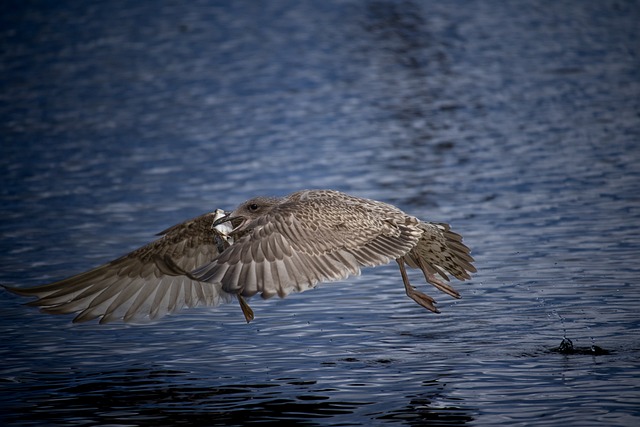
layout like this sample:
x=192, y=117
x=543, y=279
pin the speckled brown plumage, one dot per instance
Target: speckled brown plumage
x=146, y=283
x=292, y=243
x=277, y=246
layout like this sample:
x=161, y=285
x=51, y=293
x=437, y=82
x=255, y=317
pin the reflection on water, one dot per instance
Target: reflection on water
x=516, y=123
x=170, y=397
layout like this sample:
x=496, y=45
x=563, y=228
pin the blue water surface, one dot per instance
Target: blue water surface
x=516, y=122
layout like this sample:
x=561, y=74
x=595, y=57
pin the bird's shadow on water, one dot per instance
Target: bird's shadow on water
x=161, y=396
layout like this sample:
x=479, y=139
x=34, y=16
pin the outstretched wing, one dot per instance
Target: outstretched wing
x=294, y=248
x=146, y=283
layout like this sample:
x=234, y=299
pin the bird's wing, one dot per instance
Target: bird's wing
x=441, y=251
x=287, y=251
x=146, y=283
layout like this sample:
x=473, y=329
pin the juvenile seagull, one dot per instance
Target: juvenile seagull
x=270, y=246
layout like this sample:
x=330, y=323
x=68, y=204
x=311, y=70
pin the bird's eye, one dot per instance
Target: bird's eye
x=253, y=207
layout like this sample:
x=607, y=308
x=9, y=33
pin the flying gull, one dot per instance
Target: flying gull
x=270, y=246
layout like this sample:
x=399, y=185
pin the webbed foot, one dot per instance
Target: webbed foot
x=422, y=299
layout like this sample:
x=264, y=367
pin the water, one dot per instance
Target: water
x=517, y=123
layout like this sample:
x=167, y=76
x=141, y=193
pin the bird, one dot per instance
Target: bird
x=268, y=246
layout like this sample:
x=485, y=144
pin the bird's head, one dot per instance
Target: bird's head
x=248, y=212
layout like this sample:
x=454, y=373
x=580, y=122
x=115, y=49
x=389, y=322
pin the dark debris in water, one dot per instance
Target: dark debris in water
x=567, y=347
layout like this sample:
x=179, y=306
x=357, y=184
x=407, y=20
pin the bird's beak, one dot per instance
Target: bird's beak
x=223, y=219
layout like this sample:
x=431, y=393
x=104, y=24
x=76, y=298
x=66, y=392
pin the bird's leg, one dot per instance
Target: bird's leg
x=246, y=310
x=422, y=299
x=431, y=278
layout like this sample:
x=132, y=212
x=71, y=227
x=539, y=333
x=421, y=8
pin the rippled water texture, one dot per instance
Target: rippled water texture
x=517, y=122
